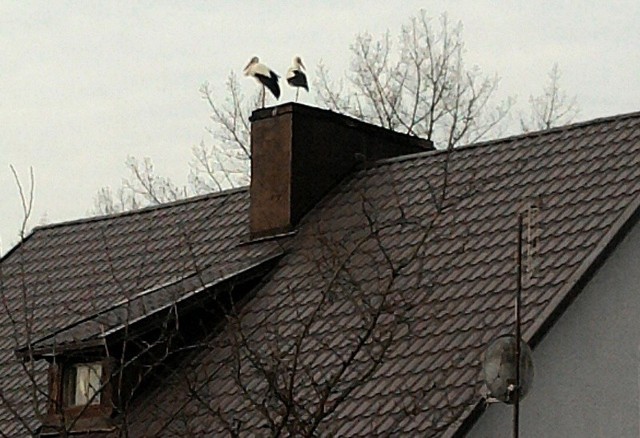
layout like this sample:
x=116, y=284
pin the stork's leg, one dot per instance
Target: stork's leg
x=263, y=95
x=297, y=92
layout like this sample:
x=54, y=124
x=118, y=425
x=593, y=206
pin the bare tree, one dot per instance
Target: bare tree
x=419, y=85
x=552, y=108
x=108, y=202
x=422, y=88
x=143, y=187
x=226, y=162
x=221, y=164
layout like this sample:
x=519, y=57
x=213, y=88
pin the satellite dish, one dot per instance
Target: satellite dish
x=499, y=368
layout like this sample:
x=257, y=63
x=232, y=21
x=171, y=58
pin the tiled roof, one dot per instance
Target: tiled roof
x=451, y=293
x=451, y=277
x=63, y=273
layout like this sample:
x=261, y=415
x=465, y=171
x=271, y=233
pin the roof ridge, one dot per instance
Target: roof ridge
x=508, y=139
x=556, y=129
x=143, y=210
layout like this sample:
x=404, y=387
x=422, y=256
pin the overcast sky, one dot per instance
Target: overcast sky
x=84, y=84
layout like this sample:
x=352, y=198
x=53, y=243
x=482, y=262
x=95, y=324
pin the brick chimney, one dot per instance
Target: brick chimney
x=299, y=153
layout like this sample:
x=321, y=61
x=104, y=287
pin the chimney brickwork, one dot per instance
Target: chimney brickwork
x=299, y=153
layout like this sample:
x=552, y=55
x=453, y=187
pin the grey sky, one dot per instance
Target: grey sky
x=83, y=84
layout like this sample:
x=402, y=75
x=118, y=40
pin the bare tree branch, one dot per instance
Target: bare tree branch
x=552, y=108
x=424, y=90
x=25, y=199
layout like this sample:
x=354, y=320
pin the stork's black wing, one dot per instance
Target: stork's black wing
x=271, y=82
x=299, y=79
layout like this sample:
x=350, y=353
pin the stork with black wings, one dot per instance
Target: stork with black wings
x=296, y=77
x=263, y=74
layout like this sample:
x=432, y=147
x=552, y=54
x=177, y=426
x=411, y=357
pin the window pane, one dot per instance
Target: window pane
x=81, y=385
x=95, y=373
x=87, y=383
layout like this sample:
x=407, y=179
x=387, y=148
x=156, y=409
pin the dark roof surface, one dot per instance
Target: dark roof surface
x=445, y=280
x=449, y=286
x=63, y=273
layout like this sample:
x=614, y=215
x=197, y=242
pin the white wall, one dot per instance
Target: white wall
x=587, y=368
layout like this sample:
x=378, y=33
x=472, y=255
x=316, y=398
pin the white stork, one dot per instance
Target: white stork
x=267, y=77
x=296, y=77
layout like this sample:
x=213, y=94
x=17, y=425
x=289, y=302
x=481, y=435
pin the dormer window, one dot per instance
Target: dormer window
x=81, y=393
x=82, y=384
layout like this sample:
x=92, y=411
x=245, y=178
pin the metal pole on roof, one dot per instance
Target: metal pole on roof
x=502, y=381
x=516, y=393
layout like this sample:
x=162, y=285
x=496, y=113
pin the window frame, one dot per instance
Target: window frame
x=82, y=417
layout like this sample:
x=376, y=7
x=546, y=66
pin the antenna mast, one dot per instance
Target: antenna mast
x=516, y=392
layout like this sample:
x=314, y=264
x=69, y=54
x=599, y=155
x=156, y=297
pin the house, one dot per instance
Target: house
x=350, y=291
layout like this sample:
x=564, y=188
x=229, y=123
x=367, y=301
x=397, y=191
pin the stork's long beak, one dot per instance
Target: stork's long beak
x=246, y=68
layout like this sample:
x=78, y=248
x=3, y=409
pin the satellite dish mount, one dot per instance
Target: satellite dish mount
x=505, y=380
